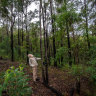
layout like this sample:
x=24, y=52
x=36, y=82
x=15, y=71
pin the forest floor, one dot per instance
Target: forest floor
x=61, y=80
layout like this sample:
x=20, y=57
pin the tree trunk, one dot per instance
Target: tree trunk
x=7, y=31
x=19, y=44
x=27, y=36
x=86, y=17
x=68, y=38
x=45, y=44
x=22, y=30
x=53, y=31
x=69, y=50
x=41, y=47
x=61, y=46
x=22, y=23
x=18, y=31
x=12, y=24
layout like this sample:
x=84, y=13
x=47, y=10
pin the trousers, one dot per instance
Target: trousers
x=34, y=73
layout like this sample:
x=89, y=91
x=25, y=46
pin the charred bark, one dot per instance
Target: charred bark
x=86, y=17
x=53, y=31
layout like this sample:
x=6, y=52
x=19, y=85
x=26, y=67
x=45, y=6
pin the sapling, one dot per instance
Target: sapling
x=16, y=82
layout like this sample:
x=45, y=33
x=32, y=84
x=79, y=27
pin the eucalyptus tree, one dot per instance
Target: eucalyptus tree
x=41, y=43
x=10, y=8
x=44, y=18
x=65, y=20
x=53, y=31
x=64, y=17
x=25, y=4
x=19, y=4
x=3, y=15
x=86, y=17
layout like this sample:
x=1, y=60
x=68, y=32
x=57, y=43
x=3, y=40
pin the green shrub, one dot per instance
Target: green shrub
x=16, y=82
x=51, y=61
x=91, y=70
x=61, y=53
x=5, y=48
x=77, y=71
x=66, y=67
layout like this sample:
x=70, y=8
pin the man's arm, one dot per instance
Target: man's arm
x=38, y=58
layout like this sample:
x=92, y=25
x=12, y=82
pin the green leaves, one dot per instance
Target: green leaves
x=92, y=72
x=1, y=89
x=77, y=70
x=16, y=82
x=67, y=12
x=5, y=47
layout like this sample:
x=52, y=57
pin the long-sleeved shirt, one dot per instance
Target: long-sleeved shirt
x=33, y=62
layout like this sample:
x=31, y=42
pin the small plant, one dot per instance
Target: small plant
x=77, y=71
x=52, y=61
x=16, y=82
x=91, y=70
x=60, y=58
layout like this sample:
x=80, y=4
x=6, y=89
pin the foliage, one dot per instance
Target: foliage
x=5, y=48
x=77, y=71
x=91, y=70
x=51, y=61
x=16, y=82
x=1, y=89
x=59, y=54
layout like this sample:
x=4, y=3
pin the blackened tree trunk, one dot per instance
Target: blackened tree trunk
x=41, y=47
x=12, y=25
x=74, y=52
x=68, y=38
x=69, y=50
x=22, y=30
x=19, y=43
x=7, y=31
x=12, y=48
x=18, y=31
x=27, y=36
x=52, y=22
x=61, y=46
x=45, y=44
x=78, y=85
x=22, y=22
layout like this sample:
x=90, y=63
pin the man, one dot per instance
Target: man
x=33, y=63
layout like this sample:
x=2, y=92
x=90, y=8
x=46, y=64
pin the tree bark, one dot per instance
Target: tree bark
x=27, y=36
x=41, y=48
x=53, y=31
x=19, y=43
x=12, y=25
x=45, y=44
x=68, y=38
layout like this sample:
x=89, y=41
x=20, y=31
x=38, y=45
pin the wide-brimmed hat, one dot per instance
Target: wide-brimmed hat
x=30, y=55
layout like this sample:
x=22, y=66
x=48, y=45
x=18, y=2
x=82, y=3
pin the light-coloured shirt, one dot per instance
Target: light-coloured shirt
x=33, y=62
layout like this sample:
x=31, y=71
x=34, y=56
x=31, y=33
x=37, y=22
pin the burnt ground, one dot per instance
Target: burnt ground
x=61, y=80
